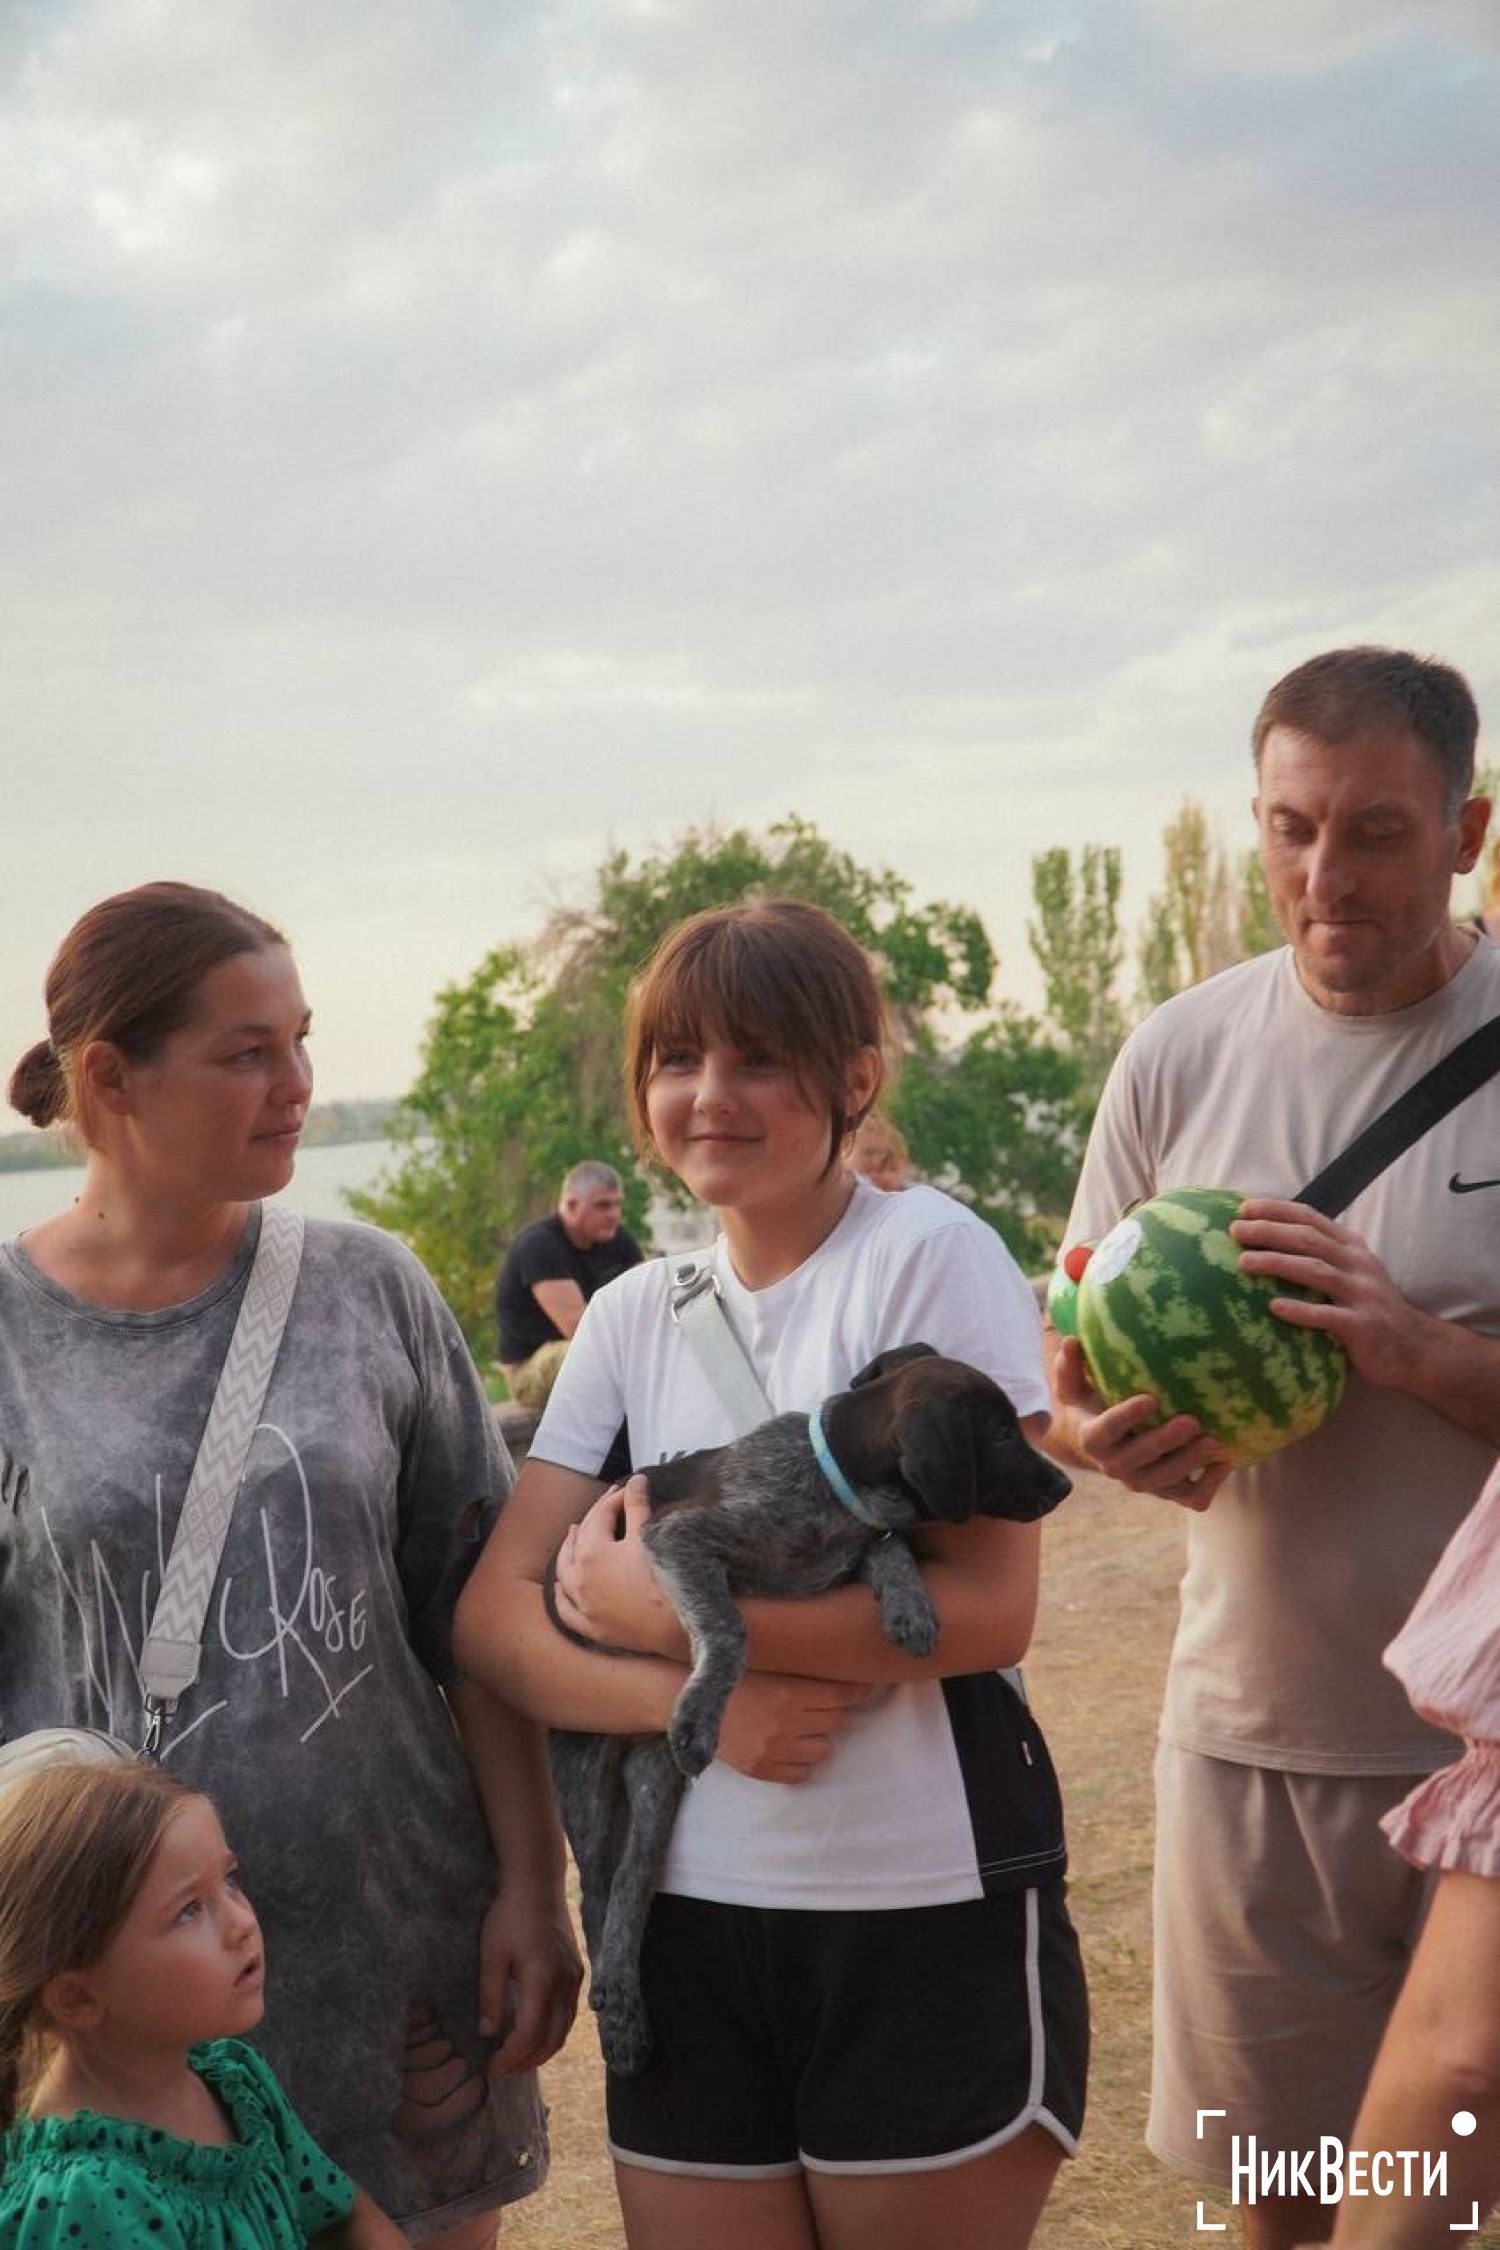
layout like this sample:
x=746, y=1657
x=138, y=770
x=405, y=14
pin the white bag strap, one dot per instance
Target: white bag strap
x=698, y=1308
x=170, y=1658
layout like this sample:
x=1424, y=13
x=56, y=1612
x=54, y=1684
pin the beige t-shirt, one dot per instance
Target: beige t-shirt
x=1304, y=1568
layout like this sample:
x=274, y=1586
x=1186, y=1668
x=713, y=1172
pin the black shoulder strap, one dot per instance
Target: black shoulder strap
x=1460, y=1073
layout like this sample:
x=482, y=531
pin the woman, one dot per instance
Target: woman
x=1436, y=2081
x=867, y=2009
x=878, y=1152
x=411, y=2002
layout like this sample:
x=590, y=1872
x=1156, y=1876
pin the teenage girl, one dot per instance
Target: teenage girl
x=868, y=2012
x=130, y=1970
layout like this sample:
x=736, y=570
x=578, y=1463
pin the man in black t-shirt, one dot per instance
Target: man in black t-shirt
x=551, y=1270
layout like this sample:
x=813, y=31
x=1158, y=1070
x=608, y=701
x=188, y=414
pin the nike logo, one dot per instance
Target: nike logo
x=1456, y=1186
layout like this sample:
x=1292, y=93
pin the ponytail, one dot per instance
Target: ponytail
x=39, y=1085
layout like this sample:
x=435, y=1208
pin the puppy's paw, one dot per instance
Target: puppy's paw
x=911, y=1624
x=694, y=1737
x=693, y=1729
x=624, y=2032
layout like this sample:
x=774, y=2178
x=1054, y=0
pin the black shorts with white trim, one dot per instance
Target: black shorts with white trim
x=901, y=2040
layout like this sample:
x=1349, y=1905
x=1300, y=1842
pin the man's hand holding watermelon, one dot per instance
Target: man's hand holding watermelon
x=1130, y=1442
x=1390, y=1341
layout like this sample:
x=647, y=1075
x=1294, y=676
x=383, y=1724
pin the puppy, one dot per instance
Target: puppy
x=915, y=1439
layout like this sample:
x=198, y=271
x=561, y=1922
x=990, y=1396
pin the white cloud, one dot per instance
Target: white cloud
x=441, y=438
x=1283, y=36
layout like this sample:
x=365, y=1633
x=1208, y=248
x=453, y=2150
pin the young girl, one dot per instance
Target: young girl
x=130, y=1969
x=865, y=1994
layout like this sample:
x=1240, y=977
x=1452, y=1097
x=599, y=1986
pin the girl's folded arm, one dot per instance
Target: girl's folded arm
x=981, y=1577
x=777, y=1729
x=504, y=1638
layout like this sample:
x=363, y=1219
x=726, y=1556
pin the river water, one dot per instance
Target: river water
x=317, y=1188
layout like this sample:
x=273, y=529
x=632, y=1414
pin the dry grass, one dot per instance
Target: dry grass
x=1108, y=1608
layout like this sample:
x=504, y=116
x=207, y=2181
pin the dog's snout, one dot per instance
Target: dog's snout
x=1055, y=1481
x=1025, y=1484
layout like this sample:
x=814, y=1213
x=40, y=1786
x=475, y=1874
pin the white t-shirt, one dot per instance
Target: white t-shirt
x=942, y=1790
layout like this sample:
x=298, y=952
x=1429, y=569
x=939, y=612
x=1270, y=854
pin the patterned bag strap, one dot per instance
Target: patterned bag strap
x=170, y=1658
x=697, y=1304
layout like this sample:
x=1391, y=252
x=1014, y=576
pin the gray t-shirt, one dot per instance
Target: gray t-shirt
x=317, y=1723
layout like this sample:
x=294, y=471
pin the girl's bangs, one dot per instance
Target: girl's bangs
x=721, y=992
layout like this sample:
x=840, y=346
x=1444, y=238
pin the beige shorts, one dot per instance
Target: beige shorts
x=1284, y=1923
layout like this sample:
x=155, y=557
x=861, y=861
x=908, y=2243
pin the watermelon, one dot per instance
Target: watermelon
x=1163, y=1307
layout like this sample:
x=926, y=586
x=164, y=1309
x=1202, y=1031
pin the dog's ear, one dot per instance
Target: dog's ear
x=979, y=1463
x=937, y=1453
x=883, y=1362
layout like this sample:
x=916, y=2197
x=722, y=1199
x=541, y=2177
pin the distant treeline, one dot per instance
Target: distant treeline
x=327, y=1123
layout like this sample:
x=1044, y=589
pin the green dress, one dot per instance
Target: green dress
x=97, y=2183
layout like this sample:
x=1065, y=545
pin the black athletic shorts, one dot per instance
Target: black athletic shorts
x=863, y=2042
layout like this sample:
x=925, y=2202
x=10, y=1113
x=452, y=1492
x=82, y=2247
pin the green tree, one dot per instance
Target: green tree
x=520, y=1070
x=1005, y=1117
x=515, y=1086
x=1190, y=922
x=1079, y=947
x=1256, y=923
x=1207, y=914
x=935, y=956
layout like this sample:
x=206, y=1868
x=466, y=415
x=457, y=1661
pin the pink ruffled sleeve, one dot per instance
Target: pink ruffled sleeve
x=1447, y=1657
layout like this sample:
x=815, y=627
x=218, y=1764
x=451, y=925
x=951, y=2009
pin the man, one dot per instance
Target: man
x=1283, y=1920
x=549, y=1273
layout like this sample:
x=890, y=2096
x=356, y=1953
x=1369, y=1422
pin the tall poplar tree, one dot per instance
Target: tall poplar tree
x=1079, y=947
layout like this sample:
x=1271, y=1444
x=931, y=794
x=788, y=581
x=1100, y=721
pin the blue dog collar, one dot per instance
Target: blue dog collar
x=839, y=1484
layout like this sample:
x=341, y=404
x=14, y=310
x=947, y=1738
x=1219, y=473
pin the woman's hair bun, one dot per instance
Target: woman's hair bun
x=38, y=1087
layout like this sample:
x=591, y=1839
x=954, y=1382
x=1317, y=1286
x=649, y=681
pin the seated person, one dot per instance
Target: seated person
x=549, y=1273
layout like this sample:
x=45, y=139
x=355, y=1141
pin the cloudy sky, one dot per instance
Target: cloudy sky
x=445, y=439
